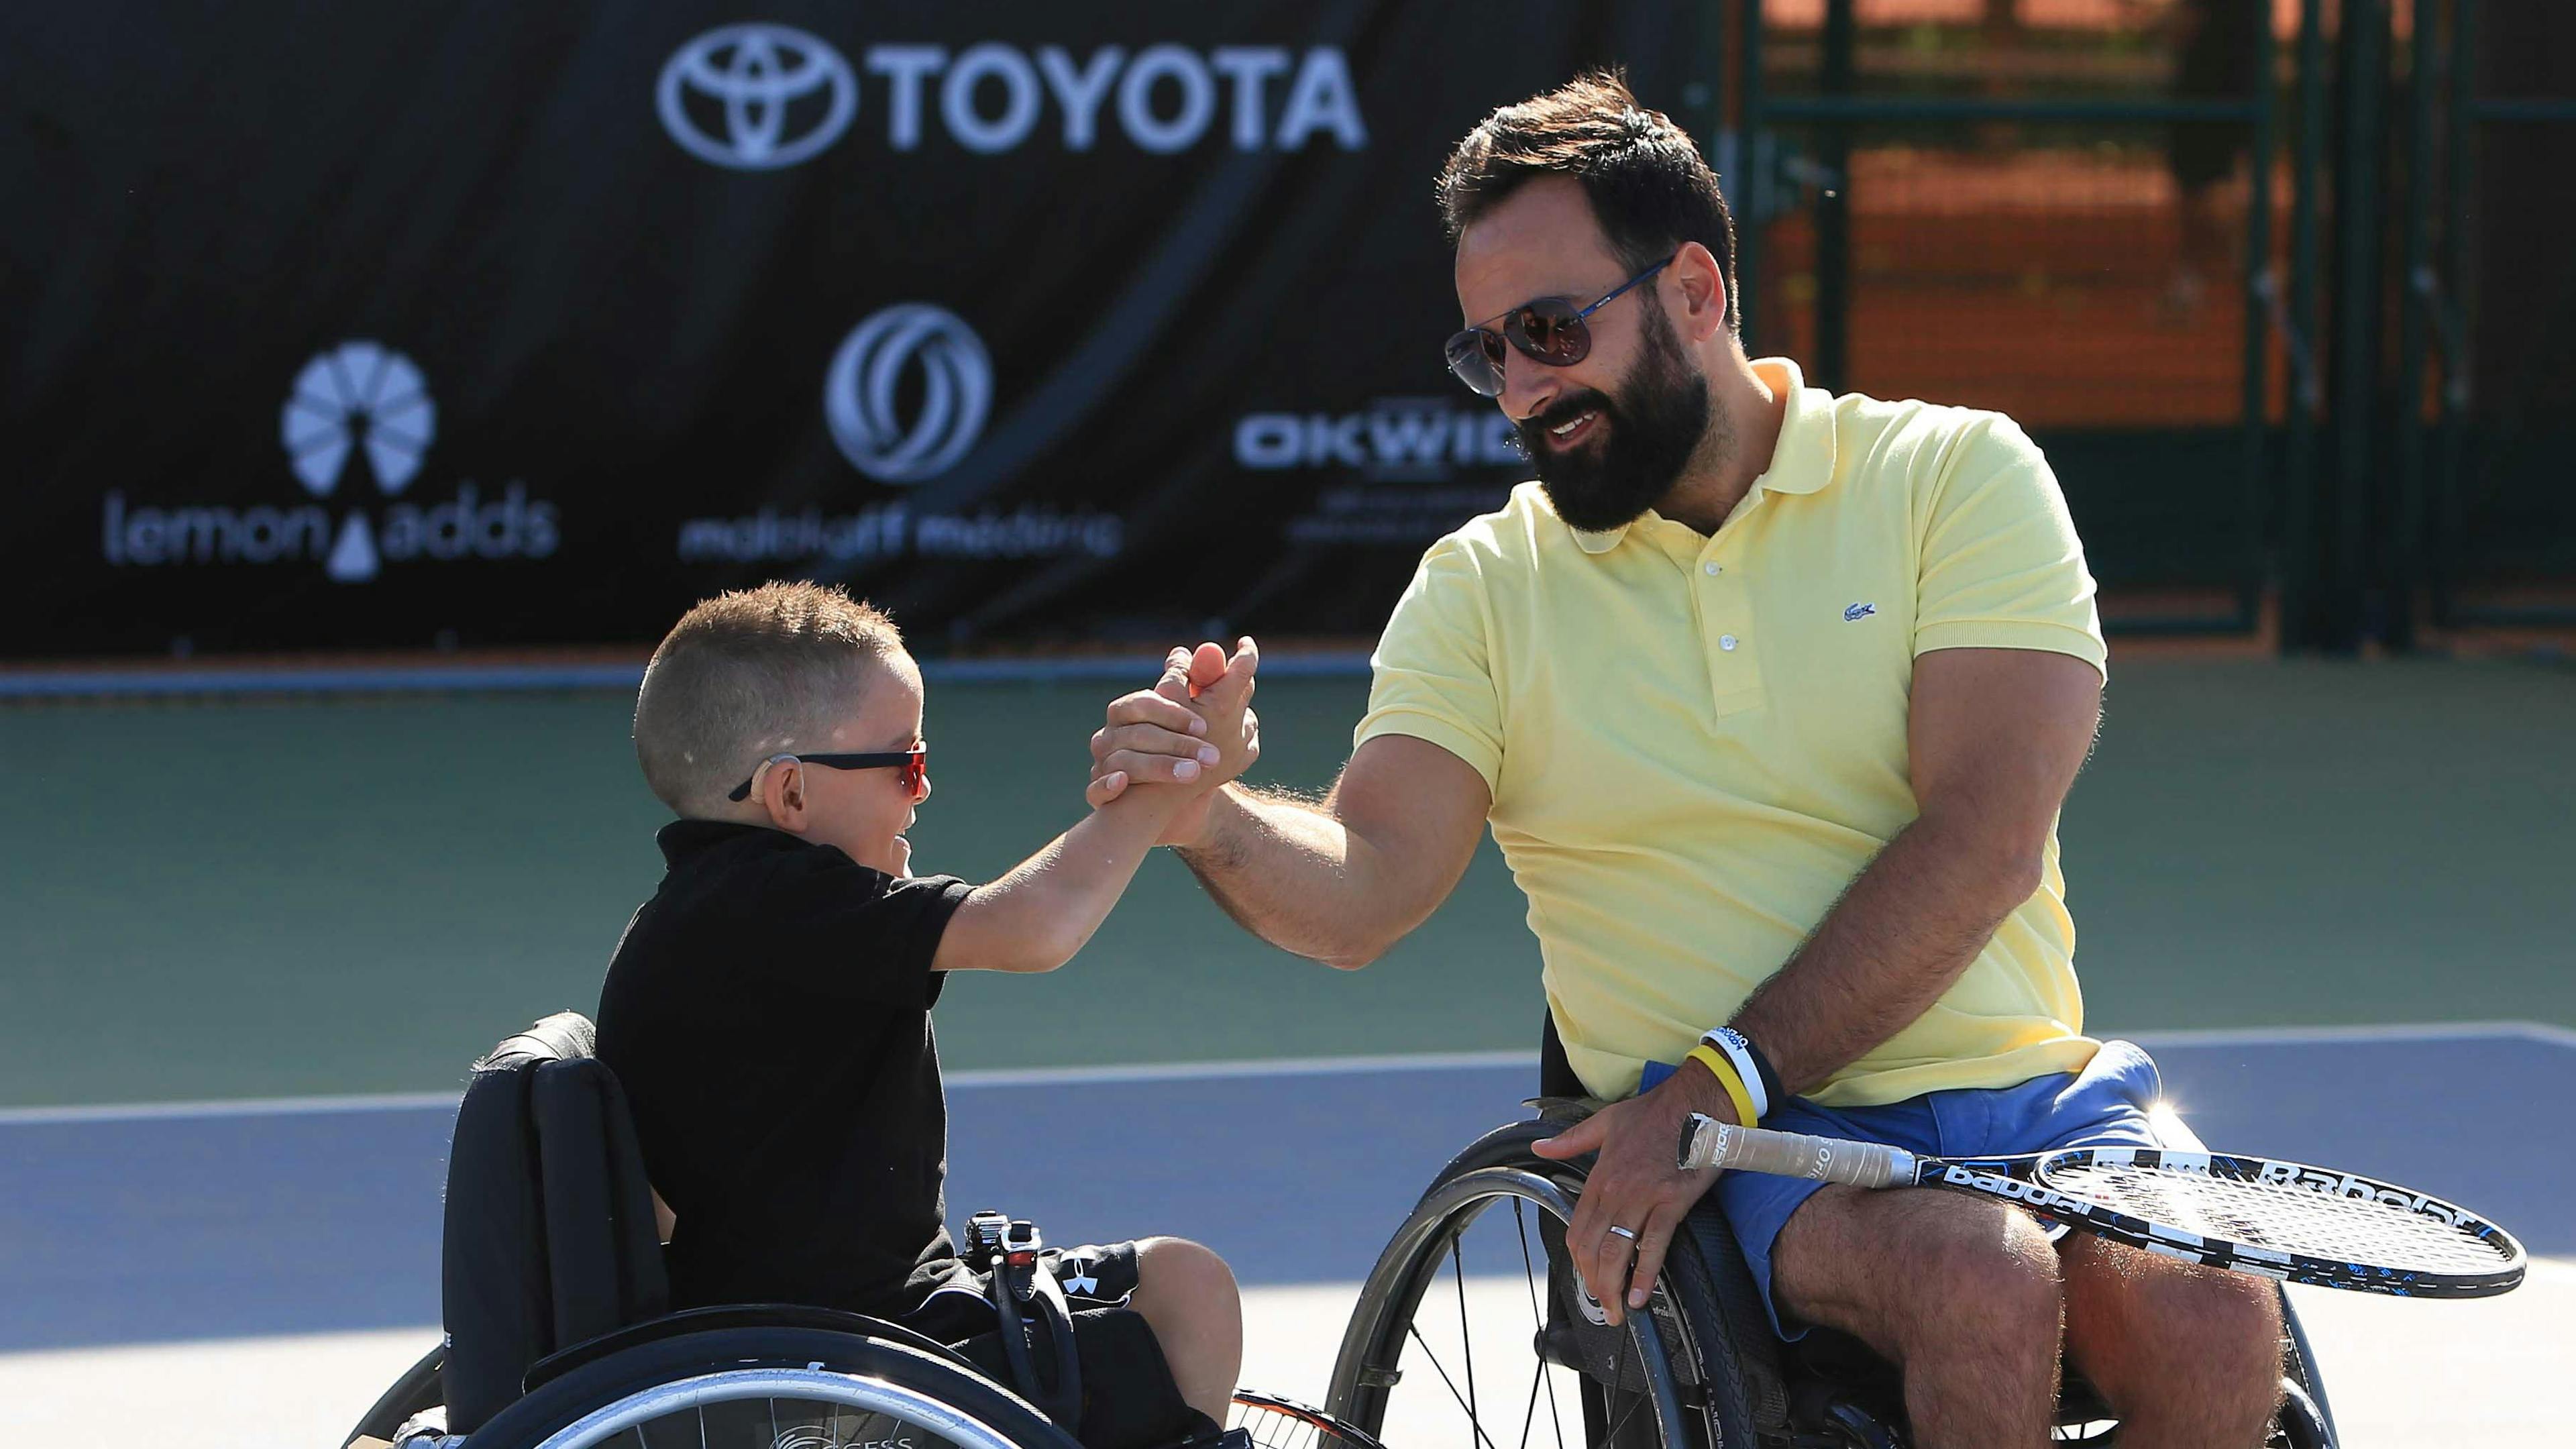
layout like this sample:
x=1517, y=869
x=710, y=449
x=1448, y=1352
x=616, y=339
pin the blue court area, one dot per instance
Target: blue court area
x=210, y=1221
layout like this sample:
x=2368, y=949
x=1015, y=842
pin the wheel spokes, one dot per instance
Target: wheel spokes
x=1472, y=1421
x=1407, y=1412
x=1529, y=1275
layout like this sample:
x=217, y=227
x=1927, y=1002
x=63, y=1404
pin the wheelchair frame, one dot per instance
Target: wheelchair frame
x=1703, y=1362
x=560, y=1332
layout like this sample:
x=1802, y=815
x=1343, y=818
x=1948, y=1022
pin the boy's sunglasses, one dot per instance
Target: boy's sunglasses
x=1548, y=330
x=914, y=762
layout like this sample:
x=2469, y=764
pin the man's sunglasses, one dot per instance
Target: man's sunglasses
x=1548, y=330
x=914, y=762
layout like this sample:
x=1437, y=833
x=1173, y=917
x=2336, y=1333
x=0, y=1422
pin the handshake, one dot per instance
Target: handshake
x=1193, y=731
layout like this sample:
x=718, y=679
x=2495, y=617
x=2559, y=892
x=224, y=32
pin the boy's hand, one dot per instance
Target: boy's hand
x=1195, y=728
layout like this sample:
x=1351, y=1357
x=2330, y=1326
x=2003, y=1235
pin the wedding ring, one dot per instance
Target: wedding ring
x=1623, y=1232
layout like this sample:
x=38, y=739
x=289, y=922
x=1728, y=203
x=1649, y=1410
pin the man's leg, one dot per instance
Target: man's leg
x=1963, y=1295
x=1188, y=1296
x=2186, y=1355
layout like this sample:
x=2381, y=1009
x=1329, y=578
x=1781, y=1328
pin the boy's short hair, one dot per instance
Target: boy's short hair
x=749, y=674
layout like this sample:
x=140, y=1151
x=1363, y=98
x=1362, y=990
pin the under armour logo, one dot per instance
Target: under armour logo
x=1858, y=612
x=1077, y=1277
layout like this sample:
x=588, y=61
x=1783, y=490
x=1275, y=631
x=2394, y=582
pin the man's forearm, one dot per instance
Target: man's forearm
x=1910, y=924
x=1285, y=870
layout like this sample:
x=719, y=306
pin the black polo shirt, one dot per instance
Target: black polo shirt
x=768, y=1013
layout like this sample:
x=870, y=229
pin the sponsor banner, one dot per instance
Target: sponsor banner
x=447, y=328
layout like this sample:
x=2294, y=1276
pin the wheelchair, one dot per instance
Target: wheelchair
x=1479, y=1263
x=560, y=1331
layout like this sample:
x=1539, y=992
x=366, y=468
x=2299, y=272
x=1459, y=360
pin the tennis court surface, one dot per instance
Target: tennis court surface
x=328, y=907
x=281, y=1258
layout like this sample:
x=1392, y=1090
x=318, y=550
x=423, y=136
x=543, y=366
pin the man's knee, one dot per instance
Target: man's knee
x=2148, y=1331
x=1923, y=1276
x=1989, y=1276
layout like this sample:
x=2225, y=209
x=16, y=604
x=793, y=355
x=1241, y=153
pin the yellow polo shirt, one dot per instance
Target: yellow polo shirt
x=1694, y=743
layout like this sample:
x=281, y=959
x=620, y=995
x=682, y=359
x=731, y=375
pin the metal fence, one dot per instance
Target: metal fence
x=2485, y=487
x=2160, y=233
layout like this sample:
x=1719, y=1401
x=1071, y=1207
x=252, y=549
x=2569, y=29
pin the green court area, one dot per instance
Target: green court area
x=256, y=899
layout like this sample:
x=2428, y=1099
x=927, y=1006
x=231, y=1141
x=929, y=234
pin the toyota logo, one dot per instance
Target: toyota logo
x=860, y=391
x=752, y=81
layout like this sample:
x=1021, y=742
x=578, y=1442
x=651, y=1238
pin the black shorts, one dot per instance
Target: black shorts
x=1128, y=1398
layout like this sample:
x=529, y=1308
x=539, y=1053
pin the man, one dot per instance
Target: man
x=1771, y=698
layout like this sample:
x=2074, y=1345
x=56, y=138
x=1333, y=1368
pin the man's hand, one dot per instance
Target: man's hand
x=1634, y=1185
x=1194, y=728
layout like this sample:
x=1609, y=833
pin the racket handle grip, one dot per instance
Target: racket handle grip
x=1707, y=1142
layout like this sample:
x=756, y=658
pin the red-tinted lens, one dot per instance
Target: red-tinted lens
x=917, y=771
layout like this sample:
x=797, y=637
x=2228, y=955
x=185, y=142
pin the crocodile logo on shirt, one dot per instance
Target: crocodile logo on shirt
x=1858, y=612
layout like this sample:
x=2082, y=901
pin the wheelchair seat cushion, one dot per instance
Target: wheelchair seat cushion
x=549, y=1236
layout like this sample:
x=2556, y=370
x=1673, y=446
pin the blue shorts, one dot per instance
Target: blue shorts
x=2105, y=1105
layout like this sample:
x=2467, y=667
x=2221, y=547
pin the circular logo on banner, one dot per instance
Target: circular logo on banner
x=750, y=80
x=360, y=394
x=861, y=391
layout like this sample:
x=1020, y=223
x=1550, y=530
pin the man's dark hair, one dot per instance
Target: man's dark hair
x=1646, y=180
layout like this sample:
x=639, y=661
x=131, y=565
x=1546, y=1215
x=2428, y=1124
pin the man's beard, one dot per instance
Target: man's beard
x=1659, y=422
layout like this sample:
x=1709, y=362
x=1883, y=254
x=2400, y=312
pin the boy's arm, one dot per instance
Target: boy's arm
x=1039, y=914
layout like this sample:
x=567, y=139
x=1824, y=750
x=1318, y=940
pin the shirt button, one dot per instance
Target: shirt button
x=1711, y=569
x=1725, y=641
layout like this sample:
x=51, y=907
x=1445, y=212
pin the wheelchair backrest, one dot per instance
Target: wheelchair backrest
x=549, y=1235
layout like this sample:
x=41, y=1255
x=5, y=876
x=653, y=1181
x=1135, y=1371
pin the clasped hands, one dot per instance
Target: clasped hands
x=1193, y=730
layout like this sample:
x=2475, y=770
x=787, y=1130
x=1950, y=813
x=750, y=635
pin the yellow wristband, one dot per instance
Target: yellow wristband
x=1724, y=1070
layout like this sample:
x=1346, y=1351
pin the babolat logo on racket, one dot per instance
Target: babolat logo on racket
x=2012, y=1187
x=2340, y=1184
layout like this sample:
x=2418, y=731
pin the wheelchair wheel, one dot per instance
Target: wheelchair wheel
x=770, y=1388
x=1466, y=1334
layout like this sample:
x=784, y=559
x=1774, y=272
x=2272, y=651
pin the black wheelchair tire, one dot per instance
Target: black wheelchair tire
x=561, y=1402
x=2307, y=1420
x=1722, y=1416
x=416, y=1390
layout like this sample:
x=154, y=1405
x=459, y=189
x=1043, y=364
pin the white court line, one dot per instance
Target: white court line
x=2557, y=1036
x=1256, y=1067
x=230, y=1107
x=967, y=1080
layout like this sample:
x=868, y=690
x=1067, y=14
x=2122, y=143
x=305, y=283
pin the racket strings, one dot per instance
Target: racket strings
x=2283, y=1216
x=1276, y=1423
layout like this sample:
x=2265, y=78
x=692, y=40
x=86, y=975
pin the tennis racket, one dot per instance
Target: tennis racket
x=1272, y=1422
x=2284, y=1220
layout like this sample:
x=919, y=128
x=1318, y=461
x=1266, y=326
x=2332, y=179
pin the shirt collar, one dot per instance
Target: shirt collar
x=686, y=838
x=1801, y=462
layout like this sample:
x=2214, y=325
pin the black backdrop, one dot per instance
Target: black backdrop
x=334, y=325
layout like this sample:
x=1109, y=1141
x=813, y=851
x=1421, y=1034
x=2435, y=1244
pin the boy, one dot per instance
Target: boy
x=767, y=1011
